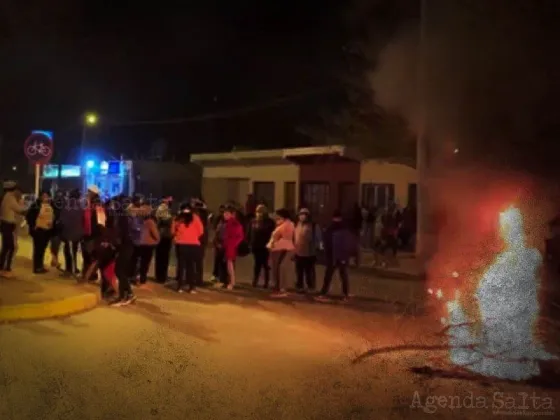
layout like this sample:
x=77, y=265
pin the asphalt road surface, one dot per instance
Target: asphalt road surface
x=229, y=355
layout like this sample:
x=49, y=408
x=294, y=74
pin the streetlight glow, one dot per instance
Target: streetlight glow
x=14, y=168
x=91, y=119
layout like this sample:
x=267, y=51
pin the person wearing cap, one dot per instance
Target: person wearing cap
x=339, y=244
x=307, y=240
x=187, y=231
x=10, y=210
x=260, y=231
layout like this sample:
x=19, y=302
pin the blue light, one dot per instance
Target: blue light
x=48, y=134
x=104, y=166
x=90, y=164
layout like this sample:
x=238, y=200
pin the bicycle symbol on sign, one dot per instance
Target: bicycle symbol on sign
x=38, y=148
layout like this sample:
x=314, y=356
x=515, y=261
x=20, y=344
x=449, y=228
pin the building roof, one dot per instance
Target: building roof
x=287, y=154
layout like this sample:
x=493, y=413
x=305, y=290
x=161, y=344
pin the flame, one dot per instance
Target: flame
x=506, y=346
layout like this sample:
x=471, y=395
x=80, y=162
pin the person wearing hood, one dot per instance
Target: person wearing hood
x=260, y=231
x=72, y=230
x=339, y=244
x=307, y=242
x=10, y=210
x=164, y=219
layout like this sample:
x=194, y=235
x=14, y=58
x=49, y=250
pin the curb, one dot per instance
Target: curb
x=48, y=309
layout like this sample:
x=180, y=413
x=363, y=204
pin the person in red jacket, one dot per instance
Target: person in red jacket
x=233, y=235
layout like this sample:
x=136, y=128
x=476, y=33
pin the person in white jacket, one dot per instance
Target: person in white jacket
x=11, y=208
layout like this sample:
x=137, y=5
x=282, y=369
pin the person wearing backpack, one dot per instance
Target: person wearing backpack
x=307, y=241
x=164, y=219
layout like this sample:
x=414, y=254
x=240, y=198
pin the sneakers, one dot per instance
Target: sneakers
x=192, y=292
x=322, y=298
x=7, y=274
x=279, y=294
x=123, y=302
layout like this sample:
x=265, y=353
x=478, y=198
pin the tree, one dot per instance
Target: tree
x=357, y=121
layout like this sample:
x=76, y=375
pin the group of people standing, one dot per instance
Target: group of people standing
x=281, y=248
x=118, y=240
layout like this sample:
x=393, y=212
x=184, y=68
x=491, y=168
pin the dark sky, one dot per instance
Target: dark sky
x=149, y=61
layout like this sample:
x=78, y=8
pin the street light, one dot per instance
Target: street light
x=90, y=120
x=14, y=168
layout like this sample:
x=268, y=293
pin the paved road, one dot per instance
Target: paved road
x=223, y=355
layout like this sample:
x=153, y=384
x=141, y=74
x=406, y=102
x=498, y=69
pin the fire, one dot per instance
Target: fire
x=505, y=345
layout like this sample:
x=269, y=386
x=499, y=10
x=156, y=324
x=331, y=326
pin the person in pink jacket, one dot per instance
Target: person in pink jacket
x=233, y=236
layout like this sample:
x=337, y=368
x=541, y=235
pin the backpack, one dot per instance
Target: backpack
x=135, y=224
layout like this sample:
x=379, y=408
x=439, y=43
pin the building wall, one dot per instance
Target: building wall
x=338, y=175
x=218, y=181
x=380, y=172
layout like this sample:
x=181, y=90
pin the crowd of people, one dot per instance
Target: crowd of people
x=118, y=240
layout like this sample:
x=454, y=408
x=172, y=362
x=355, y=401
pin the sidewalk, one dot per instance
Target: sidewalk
x=27, y=296
x=408, y=267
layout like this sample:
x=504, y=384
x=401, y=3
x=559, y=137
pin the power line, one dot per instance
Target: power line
x=226, y=114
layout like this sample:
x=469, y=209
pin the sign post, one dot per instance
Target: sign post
x=38, y=148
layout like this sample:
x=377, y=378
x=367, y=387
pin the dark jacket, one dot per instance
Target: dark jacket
x=340, y=243
x=203, y=215
x=71, y=219
x=260, y=231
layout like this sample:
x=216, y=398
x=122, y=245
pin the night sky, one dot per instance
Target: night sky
x=494, y=68
x=150, y=62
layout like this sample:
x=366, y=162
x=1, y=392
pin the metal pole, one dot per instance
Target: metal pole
x=37, y=179
x=421, y=146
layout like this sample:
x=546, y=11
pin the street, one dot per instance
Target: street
x=218, y=355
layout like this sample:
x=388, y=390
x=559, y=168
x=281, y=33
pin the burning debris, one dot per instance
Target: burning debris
x=507, y=295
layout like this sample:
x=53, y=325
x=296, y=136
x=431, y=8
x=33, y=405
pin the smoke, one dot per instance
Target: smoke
x=487, y=78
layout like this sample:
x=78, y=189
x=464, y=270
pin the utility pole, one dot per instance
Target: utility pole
x=421, y=141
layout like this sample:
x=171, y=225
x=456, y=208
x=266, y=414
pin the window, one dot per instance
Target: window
x=377, y=195
x=315, y=196
x=290, y=196
x=263, y=192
